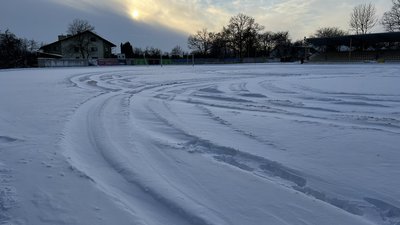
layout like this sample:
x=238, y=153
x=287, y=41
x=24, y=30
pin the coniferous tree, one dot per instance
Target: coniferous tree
x=127, y=49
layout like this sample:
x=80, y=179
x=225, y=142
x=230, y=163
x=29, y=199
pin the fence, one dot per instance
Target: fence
x=44, y=62
x=357, y=56
x=197, y=61
x=110, y=62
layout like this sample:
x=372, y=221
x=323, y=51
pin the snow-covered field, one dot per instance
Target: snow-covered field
x=239, y=144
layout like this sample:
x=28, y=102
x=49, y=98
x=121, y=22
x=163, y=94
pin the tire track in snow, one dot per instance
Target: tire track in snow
x=102, y=148
x=256, y=165
x=269, y=166
x=221, y=121
x=234, y=157
x=245, y=161
x=290, y=102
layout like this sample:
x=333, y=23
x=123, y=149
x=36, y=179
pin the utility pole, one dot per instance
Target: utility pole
x=144, y=57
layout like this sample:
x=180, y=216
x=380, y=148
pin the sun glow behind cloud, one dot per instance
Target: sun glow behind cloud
x=188, y=16
x=135, y=14
x=181, y=15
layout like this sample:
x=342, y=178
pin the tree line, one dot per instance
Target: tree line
x=363, y=18
x=16, y=52
x=391, y=18
x=152, y=52
x=131, y=52
x=242, y=37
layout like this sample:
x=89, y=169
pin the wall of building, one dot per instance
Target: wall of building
x=69, y=47
x=53, y=48
x=96, y=48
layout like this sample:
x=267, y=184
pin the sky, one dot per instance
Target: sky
x=167, y=23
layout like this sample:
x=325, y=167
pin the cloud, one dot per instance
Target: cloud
x=301, y=18
x=181, y=15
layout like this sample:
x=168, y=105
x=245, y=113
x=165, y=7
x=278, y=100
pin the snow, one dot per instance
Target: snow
x=234, y=144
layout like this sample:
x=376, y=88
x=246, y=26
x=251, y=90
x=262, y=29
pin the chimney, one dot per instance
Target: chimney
x=61, y=37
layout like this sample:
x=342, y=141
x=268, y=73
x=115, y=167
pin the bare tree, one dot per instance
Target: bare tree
x=81, y=43
x=242, y=37
x=177, y=51
x=79, y=26
x=327, y=32
x=10, y=49
x=242, y=30
x=138, y=52
x=220, y=46
x=282, y=44
x=363, y=18
x=201, y=41
x=266, y=42
x=16, y=52
x=391, y=19
x=152, y=52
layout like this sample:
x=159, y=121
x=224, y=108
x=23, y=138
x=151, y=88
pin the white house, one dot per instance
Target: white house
x=85, y=45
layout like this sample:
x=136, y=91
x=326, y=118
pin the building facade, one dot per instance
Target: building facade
x=85, y=45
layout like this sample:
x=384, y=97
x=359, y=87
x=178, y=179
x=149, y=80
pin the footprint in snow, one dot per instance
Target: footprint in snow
x=5, y=139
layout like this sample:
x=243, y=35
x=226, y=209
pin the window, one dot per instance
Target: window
x=93, y=39
x=76, y=49
x=93, y=49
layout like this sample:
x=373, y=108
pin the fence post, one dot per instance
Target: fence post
x=144, y=57
x=351, y=43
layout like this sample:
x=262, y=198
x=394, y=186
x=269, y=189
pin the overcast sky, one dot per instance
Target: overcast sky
x=167, y=23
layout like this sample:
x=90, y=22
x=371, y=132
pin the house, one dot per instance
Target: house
x=85, y=45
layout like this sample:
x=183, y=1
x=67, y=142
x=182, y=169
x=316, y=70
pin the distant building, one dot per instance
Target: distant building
x=380, y=47
x=85, y=45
